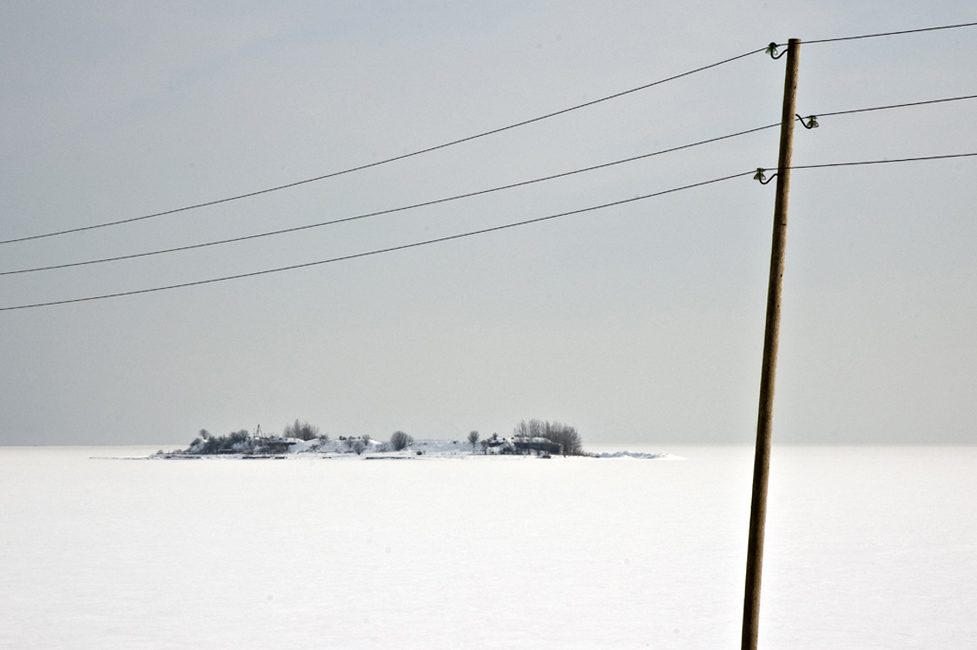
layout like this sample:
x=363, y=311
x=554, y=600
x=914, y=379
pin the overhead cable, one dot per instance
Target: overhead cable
x=906, y=105
x=463, y=235
x=898, y=33
x=385, y=161
x=282, y=231
x=380, y=251
x=886, y=161
x=772, y=48
x=760, y=172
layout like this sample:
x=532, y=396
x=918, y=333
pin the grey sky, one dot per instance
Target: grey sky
x=638, y=324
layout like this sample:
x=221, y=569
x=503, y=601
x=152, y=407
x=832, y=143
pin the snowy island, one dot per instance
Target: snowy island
x=536, y=438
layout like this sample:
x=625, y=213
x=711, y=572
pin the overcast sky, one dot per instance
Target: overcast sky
x=639, y=324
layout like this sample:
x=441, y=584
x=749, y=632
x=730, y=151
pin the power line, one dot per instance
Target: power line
x=456, y=197
x=444, y=145
x=368, y=215
x=886, y=161
x=760, y=176
x=878, y=35
x=380, y=251
x=898, y=33
x=906, y=105
x=385, y=161
x=471, y=233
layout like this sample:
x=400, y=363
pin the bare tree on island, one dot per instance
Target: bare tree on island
x=400, y=441
x=473, y=438
x=301, y=430
x=556, y=432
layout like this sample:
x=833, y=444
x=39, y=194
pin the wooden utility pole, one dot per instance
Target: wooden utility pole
x=771, y=339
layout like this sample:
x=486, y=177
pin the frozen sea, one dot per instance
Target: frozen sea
x=867, y=547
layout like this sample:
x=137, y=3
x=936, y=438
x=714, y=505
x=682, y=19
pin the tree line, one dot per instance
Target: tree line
x=565, y=437
x=557, y=432
x=562, y=435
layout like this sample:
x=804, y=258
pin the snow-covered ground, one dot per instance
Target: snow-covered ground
x=866, y=548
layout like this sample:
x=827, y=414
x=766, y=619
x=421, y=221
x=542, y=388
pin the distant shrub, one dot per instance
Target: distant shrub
x=400, y=441
x=211, y=445
x=301, y=430
x=234, y=442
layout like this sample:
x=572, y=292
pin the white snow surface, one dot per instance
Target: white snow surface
x=866, y=548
